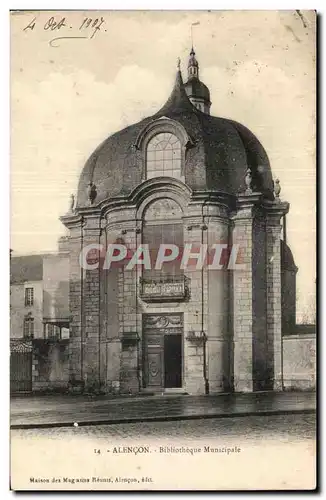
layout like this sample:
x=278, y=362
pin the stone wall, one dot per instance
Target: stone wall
x=299, y=362
x=50, y=370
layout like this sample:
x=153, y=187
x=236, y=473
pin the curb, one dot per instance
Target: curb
x=134, y=420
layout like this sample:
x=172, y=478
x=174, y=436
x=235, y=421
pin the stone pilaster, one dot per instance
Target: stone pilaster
x=87, y=298
x=103, y=315
x=195, y=351
x=91, y=296
x=219, y=345
x=244, y=314
x=257, y=295
x=274, y=213
x=112, y=316
x=129, y=328
x=74, y=223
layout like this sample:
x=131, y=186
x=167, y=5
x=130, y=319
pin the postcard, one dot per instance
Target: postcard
x=163, y=250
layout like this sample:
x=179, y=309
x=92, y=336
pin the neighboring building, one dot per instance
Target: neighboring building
x=179, y=176
x=26, y=297
x=39, y=321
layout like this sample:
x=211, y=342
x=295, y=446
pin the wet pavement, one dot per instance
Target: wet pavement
x=291, y=427
x=60, y=411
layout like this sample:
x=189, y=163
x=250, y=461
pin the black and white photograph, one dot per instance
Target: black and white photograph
x=163, y=250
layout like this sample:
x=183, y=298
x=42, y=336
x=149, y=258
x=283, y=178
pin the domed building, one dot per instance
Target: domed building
x=198, y=184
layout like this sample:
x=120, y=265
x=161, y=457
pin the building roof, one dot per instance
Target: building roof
x=195, y=88
x=287, y=260
x=220, y=153
x=26, y=268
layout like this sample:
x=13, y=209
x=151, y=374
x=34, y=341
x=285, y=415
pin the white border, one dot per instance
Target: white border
x=4, y=198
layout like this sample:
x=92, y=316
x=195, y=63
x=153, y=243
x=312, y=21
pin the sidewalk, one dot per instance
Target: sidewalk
x=62, y=411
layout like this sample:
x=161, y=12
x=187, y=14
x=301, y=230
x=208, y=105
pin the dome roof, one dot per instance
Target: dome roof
x=287, y=260
x=220, y=153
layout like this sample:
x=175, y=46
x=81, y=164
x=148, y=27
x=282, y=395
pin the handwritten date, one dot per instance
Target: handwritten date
x=87, y=29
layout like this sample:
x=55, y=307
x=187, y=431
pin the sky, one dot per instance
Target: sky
x=69, y=94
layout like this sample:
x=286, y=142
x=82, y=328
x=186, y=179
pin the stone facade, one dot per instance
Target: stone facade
x=199, y=330
x=50, y=366
x=19, y=311
x=231, y=318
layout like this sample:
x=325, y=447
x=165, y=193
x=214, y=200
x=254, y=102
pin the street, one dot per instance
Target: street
x=251, y=429
x=56, y=410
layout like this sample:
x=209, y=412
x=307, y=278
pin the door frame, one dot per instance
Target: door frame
x=144, y=351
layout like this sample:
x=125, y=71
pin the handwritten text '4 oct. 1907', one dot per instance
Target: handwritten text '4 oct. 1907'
x=86, y=29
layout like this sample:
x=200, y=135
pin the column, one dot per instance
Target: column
x=195, y=320
x=219, y=354
x=244, y=293
x=128, y=327
x=75, y=305
x=275, y=212
x=113, y=316
x=91, y=327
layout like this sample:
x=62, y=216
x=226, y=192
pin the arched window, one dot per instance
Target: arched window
x=163, y=225
x=163, y=156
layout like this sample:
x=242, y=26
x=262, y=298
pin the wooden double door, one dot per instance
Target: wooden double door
x=163, y=351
